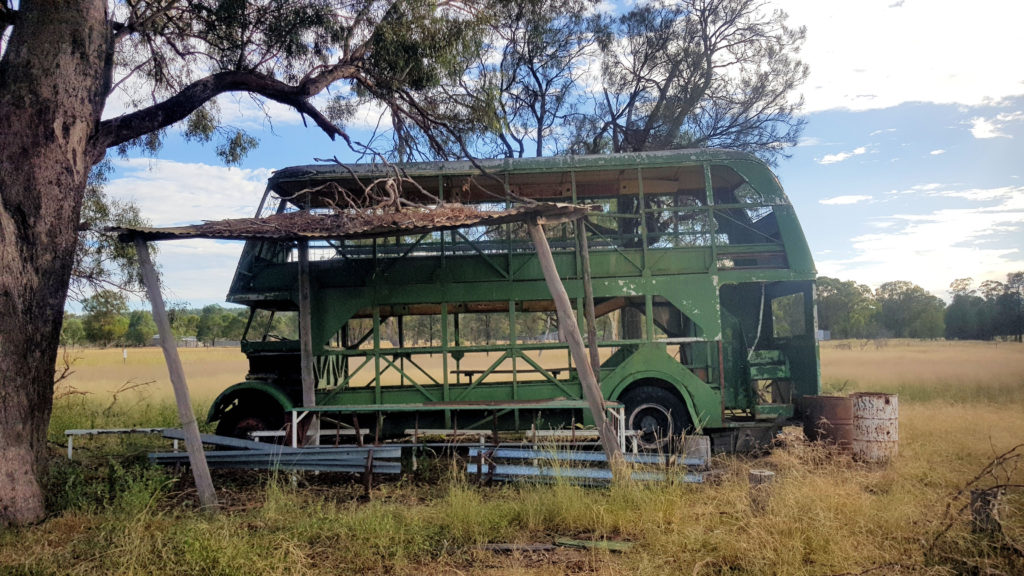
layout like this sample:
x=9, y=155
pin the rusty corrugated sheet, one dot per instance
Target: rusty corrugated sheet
x=353, y=224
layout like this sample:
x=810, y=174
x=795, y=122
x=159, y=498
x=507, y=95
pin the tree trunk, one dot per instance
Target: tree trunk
x=52, y=89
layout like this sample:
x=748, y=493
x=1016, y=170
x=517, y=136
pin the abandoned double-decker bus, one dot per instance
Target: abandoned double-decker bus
x=702, y=289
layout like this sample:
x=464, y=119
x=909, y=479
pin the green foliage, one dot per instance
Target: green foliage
x=234, y=149
x=215, y=322
x=184, y=322
x=124, y=486
x=141, y=328
x=233, y=324
x=106, y=319
x=101, y=260
x=412, y=46
x=846, y=308
x=201, y=125
x=210, y=322
x=909, y=311
x=72, y=331
x=997, y=311
x=788, y=316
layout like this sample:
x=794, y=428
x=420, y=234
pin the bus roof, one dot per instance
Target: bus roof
x=490, y=179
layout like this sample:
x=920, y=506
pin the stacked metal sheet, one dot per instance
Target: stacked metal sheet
x=587, y=467
x=247, y=454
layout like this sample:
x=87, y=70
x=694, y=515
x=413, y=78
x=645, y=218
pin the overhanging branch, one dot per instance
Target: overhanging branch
x=8, y=16
x=176, y=108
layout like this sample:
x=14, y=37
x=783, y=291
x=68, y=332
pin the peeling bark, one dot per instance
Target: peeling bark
x=52, y=76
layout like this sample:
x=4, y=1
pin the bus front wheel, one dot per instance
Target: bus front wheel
x=655, y=415
x=245, y=417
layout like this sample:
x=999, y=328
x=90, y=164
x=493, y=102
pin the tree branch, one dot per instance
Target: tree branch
x=8, y=16
x=130, y=126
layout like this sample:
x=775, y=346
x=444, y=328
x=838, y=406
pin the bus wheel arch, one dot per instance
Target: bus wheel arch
x=249, y=407
x=657, y=410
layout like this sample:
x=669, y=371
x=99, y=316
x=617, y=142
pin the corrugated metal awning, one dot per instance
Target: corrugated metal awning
x=354, y=224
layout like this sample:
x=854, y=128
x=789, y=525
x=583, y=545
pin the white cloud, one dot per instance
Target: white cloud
x=937, y=152
x=871, y=54
x=171, y=193
x=933, y=248
x=844, y=200
x=934, y=190
x=841, y=156
x=810, y=141
x=884, y=131
x=198, y=271
x=982, y=128
x=928, y=189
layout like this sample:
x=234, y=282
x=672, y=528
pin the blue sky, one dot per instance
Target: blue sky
x=911, y=166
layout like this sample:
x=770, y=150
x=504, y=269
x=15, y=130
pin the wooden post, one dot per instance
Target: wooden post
x=193, y=443
x=985, y=510
x=588, y=300
x=306, y=346
x=591, y=390
x=760, y=485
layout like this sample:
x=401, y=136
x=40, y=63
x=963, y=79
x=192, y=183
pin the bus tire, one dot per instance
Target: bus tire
x=656, y=415
x=248, y=416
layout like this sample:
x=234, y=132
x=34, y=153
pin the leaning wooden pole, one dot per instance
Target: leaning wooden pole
x=588, y=299
x=193, y=443
x=306, y=346
x=591, y=390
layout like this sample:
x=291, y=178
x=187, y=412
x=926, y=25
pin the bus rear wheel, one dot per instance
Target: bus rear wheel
x=656, y=415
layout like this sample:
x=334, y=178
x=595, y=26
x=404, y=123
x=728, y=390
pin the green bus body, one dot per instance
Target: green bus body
x=703, y=288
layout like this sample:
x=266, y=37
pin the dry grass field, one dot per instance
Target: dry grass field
x=961, y=406
x=103, y=372
x=143, y=375
x=926, y=370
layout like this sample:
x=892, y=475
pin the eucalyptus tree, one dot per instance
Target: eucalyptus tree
x=908, y=311
x=165, y=62
x=846, y=309
x=696, y=73
x=537, y=82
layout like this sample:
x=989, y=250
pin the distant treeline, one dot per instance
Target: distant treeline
x=902, y=309
x=106, y=320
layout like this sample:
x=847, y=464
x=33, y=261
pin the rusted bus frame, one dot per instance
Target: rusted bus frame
x=496, y=246
x=491, y=247
x=509, y=352
x=615, y=246
x=388, y=359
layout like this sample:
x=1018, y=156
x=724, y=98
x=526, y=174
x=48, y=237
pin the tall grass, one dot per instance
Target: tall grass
x=921, y=371
x=827, y=514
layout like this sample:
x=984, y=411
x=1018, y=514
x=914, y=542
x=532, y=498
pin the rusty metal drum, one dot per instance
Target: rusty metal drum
x=876, y=434
x=828, y=419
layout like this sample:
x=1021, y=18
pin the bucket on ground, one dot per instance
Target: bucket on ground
x=828, y=419
x=875, y=426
